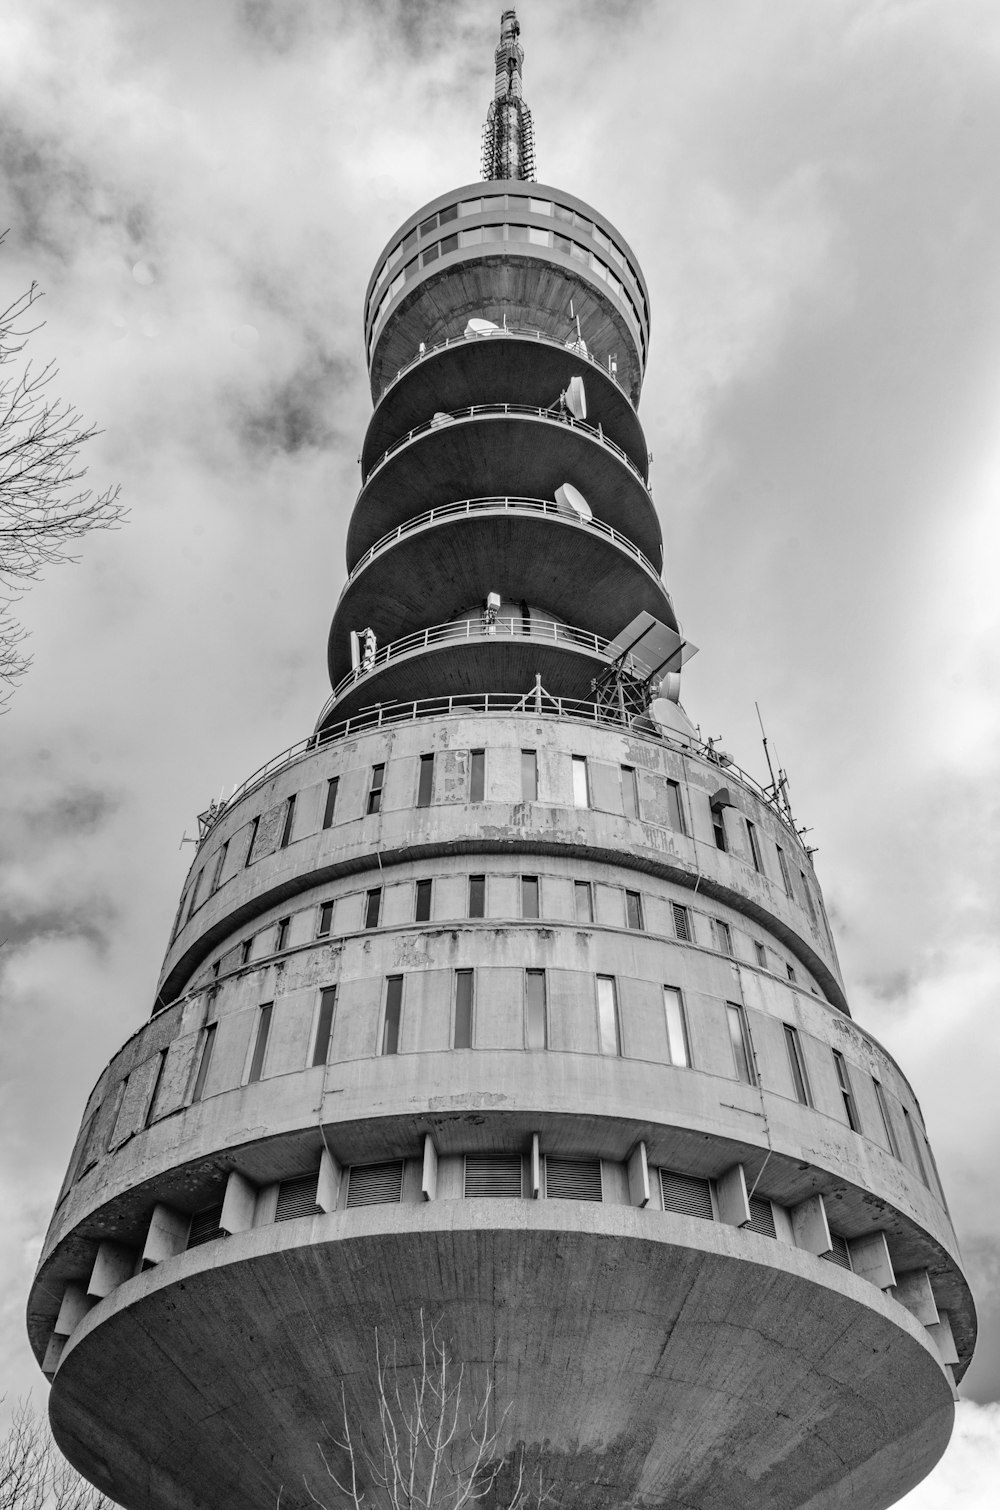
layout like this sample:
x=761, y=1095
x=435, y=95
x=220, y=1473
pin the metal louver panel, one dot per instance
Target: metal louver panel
x=297, y=1198
x=838, y=1254
x=493, y=1174
x=761, y=1217
x=682, y=924
x=205, y=1226
x=375, y=1184
x=686, y=1194
x=573, y=1179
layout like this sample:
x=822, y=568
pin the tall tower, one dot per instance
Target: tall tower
x=503, y=998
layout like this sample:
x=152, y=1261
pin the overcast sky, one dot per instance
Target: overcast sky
x=812, y=191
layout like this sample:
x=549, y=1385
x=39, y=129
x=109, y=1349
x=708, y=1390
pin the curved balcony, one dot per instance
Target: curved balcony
x=514, y=450
x=513, y=364
x=519, y=547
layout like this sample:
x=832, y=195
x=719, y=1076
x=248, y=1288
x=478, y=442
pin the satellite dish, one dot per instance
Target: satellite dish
x=570, y=498
x=576, y=398
x=576, y=343
x=480, y=328
x=440, y=418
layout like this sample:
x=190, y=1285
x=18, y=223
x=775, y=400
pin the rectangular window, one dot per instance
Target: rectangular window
x=425, y=784
x=246, y=950
x=151, y=1108
x=682, y=922
x=608, y=1026
x=797, y=1065
x=844, y=1081
x=921, y=1166
x=260, y=1043
x=477, y=896
x=463, y=1009
x=724, y=937
x=633, y=910
x=739, y=1037
x=883, y=1107
x=583, y=901
x=255, y=825
x=373, y=907
x=786, y=879
x=674, y=806
x=422, y=910
x=281, y=940
x=393, y=1009
x=375, y=790
x=325, y=920
x=761, y=954
x=536, y=1028
x=677, y=1035
x=790, y=971
x=754, y=845
x=529, y=776
x=581, y=786
x=630, y=792
x=719, y=828
x=286, y=829
x=220, y=862
x=529, y=897
x=808, y=896
x=330, y=806
x=324, y=1025
x=194, y=894
x=477, y=775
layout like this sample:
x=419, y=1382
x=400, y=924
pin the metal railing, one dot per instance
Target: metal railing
x=495, y=411
x=467, y=506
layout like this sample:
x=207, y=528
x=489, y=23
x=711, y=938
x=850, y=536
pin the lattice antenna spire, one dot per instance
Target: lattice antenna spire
x=508, y=136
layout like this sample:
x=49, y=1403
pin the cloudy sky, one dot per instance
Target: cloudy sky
x=812, y=190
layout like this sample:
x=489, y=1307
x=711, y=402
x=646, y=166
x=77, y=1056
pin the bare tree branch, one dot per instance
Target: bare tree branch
x=34, y=1475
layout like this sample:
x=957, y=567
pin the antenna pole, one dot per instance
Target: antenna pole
x=767, y=753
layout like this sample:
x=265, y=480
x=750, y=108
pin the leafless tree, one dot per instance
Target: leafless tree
x=41, y=511
x=441, y=1442
x=34, y=1475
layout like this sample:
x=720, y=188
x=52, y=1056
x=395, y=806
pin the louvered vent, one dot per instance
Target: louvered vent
x=686, y=1194
x=838, y=1254
x=682, y=921
x=205, y=1226
x=297, y=1198
x=573, y=1179
x=493, y=1174
x=375, y=1184
x=761, y=1217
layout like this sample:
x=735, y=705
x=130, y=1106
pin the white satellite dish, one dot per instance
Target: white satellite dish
x=576, y=398
x=480, y=328
x=576, y=343
x=441, y=418
x=570, y=498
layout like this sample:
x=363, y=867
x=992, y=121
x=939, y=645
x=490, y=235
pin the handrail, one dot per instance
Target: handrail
x=466, y=506
x=506, y=330
x=538, y=704
x=489, y=411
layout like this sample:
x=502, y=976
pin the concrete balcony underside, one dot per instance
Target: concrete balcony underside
x=560, y=563
x=516, y=454
x=668, y=1363
x=507, y=367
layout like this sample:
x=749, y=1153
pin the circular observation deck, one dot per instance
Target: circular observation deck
x=491, y=251
x=522, y=548
x=501, y=366
x=506, y=449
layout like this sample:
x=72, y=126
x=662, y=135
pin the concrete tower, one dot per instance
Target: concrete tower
x=501, y=996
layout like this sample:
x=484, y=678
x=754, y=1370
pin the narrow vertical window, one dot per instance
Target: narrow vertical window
x=373, y=907
x=719, y=826
x=682, y=922
x=330, y=806
x=583, y=901
x=260, y=1042
x=325, y=920
x=393, y=1009
x=463, y=1009
x=883, y=1106
x=477, y=896
x=754, y=845
x=151, y=1108
x=581, y=785
x=536, y=1028
x=761, y=954
x=324, y=1025
x=786, y=879
x=724, y=937
x=477, y=775
x=246, y=950
x=790, y=971
x=375, y=790
x=797, y=1065
x=422, y=910
x=286, y=829
x=808, y=896
x=739, y=1037
x=633, y=910
x=608, y=1026
x=529, y=896
x=194, y=894
x=921, y=1166
x=204, y=1062
x=529, y=776
x=425, y=783
x=630, y=792
x=281, y=941
x=674, y=807
x=255, y=825
x=677, y=1035
x=220, y=862
x=844, y=1081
